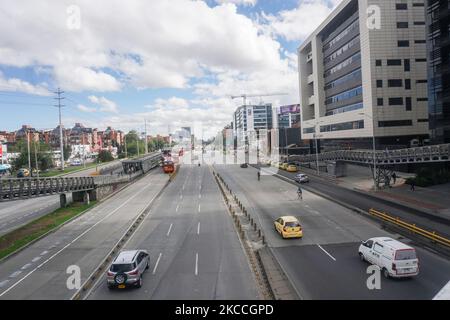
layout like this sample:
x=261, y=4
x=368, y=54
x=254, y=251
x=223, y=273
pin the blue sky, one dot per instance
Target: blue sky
x=174, y=63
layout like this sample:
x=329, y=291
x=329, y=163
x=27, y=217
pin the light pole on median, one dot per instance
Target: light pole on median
x=374, y=149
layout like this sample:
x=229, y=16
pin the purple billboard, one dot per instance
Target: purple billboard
x=293, y=108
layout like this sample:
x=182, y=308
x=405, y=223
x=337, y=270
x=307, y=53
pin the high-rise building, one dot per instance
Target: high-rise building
x=252, y=118
x=363, y=74
x=288, y=116
x=438, y=41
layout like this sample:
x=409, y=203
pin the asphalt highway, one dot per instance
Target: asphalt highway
x=195, y=252
x=325, y=263
x=40, y=270
x=365, y=202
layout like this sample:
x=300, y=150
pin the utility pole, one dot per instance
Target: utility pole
x=146, y=142
x=36, y=160
x=126, y=150
x=137, y=142
x=61, y=138
x=29, y=154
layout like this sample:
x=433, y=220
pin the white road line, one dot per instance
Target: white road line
x=157, y=262
x=198, y=228
x=170, y=228
x=178, y=207
x=15, y=274
x=326, y=252
x=43, y=253
x=196, y=264
x=181, y=196
x=3, y=283
x=26, y=266
x=68, y=245
x=200, y=196
x=199, y=206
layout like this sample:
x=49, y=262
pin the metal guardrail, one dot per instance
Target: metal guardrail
x=436, y=153
x=23, y=188
x=433, y=236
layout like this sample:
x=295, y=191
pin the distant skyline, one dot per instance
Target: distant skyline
x=171, y=62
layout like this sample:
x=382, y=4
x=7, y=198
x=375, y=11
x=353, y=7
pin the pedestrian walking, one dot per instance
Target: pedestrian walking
x=394, y=177
x=413, y=185
x=300, y=193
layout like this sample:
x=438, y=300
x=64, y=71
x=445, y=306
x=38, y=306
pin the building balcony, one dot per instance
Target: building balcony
x=310, y=78
x=311, y=100
x=309, y=57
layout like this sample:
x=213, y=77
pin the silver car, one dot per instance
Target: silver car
x=301, y=178
x=127, y=269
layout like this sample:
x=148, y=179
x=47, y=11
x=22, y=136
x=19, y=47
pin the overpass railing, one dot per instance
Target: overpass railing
x=436, y=153
x=22, y=188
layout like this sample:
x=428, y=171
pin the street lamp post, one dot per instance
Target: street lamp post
x=373, y=151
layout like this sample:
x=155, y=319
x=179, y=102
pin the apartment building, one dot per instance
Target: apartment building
x=363, y=74
x=438, y=42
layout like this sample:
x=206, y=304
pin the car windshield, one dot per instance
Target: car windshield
x=123, y=267
x=405, y=254
x=292, y=224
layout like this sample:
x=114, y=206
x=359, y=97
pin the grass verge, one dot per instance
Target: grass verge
x=20, y=237
x=57, y=172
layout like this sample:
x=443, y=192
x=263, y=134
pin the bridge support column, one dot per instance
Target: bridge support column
x=63, y=200
x=81, y=196
x=86, y=198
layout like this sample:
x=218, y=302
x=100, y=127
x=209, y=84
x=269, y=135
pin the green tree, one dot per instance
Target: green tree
x=105, y=156
x=38, y=151
x=67, y=149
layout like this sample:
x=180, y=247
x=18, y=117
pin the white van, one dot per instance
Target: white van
x=394, y=258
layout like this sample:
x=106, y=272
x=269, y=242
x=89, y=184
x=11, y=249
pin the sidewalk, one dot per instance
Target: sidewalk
x=432, y=200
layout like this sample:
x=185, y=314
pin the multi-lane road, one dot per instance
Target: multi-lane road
x=39, y=271
x=325, y=263
x=195, y=250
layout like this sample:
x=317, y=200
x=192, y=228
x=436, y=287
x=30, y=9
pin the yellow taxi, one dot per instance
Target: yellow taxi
x=291, y=168
x=288, y=227
x=275, y=164
x=283, y=165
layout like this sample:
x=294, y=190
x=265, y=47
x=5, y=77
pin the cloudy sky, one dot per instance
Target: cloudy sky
x=172, y=62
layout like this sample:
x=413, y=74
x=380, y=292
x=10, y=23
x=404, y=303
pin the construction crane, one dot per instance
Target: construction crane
x=245, y=96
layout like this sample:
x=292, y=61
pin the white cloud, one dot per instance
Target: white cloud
x=147, y=44
x=299, y=23
x=83, y=108
x=18, y=85
x=239, y=2
x=106, y=105
x=81, y=78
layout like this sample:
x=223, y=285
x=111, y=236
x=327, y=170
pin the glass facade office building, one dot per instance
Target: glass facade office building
x=438, y=42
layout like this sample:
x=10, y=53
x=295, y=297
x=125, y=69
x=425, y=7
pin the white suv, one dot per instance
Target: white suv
x=127, y=269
